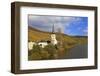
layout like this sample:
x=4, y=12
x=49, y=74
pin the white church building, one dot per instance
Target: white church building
x=44, y=43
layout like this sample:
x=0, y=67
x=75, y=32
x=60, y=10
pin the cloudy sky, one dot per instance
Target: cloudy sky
x=70, y=25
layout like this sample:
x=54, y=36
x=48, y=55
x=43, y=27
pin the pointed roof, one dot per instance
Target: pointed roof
x=53, y=29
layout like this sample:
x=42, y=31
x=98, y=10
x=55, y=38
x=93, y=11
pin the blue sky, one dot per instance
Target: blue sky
x=70, y=25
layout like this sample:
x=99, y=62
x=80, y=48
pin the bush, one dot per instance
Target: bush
x=51, y=50
x=45, y=54
x=35, y=53
x=35, y=56
x=48, y=52
x=36, y=48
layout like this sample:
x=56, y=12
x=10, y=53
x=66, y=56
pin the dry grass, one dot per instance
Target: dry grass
x=36, y=35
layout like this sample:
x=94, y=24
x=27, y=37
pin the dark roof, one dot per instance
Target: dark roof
x=43, y=41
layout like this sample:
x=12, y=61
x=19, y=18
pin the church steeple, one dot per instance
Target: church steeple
x=53, y=29
x=53, y=36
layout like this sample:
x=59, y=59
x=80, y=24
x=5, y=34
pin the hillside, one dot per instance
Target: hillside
x=50, y=51
x=37, y=35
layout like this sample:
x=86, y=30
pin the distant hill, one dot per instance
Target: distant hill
x=81, y=36
x=37, y=35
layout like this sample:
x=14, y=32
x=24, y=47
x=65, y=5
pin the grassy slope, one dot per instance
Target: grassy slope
x=36, y=35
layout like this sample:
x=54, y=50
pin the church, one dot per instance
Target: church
x=44, y=43
x=53, y=36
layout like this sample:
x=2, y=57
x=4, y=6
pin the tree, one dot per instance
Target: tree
x=35, y=53
x=51, y=50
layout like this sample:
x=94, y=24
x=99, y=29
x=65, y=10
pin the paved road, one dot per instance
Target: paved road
x=80, y=51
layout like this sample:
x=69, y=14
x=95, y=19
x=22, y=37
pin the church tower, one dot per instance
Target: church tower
x=53, y=36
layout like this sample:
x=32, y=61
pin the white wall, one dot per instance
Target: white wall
x=5, y=30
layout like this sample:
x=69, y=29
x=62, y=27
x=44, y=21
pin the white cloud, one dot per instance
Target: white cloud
x=48, y=21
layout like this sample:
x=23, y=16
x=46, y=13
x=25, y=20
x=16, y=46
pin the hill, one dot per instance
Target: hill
x=50, y=51
x=69, y=41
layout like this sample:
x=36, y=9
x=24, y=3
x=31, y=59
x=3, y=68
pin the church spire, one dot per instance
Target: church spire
x=53, y=29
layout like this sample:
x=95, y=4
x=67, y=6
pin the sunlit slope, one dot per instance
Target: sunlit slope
x=37, y=35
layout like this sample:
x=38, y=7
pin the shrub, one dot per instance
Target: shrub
x=35, y=56
x=51, y=50
x=45, y=54
x=36, y=48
